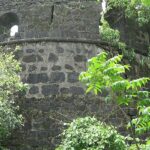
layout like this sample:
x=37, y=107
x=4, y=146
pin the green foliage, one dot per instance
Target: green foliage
x=145, y=2
x=141, y=146
x=117, y=3
x=90, y=134
x=10, y=83
x=142, y=123
x=3, y=148
x=104, y=73
x=108, y=34
x=112, y=36
x=135, y=9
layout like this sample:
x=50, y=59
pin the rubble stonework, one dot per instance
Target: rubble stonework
x=51, y=63
x=50, y=18
x=48, y=71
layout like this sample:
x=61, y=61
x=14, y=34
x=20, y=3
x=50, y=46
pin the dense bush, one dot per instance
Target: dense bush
x=142, y=147
x=137, y=10
x=10, y=84
x=90, y=134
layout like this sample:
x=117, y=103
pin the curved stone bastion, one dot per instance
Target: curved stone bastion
x=55, y=95
x=56, y=37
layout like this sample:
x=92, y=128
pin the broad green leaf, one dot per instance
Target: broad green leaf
x=146, y=2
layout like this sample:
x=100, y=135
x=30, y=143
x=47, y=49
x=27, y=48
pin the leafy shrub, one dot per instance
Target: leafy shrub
x=108, y=34
x=142, y=147
x=136, y=9
x=105, y=73
x=90, y=134
x=10, y=83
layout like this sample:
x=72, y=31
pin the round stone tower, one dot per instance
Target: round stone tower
x=56, y=39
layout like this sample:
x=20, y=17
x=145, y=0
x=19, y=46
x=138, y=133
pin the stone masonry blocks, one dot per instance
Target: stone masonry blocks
x=53, y=68
x=53, y=18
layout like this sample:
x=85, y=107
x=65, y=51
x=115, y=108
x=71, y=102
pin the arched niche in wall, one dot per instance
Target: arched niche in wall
x=8, y=25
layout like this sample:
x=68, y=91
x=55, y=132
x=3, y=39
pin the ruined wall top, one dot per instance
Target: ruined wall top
x=50, y=18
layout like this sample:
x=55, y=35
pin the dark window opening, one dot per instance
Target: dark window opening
x=8, y=25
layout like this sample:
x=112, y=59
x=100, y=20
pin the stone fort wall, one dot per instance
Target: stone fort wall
x=56, y=37
x=51, y=18
x=51, y=61
x=55, y=95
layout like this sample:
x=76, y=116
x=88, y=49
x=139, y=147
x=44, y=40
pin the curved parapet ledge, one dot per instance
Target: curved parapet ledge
x=97, y=42
x=46, y=39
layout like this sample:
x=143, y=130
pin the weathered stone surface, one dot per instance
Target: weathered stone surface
x=64, y=90
x=32, y=68
x=57, y=77
x=53, y=18
x=69, y=67
x=52, y=96
x=50, y=89
x=80, y=58
x=73, y=77
x=29, y=59
x=37, y=78
x=43, y=68
x=23, y=67
x=39, y=58
x=34, y=90
x=18, y=54
x=56, y=68
x=52, y=99
x=41, y=50
x=77, y=90
x=78, y=50
x=52, y=57
x=60, y=50
x=30, y=50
